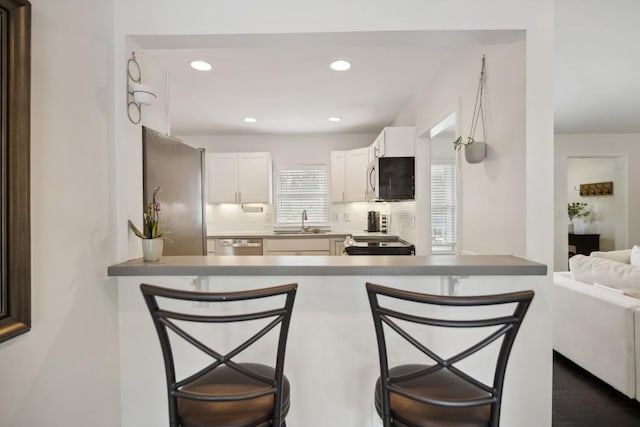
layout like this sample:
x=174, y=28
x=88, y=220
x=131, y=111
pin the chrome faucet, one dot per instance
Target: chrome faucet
x=304, y=216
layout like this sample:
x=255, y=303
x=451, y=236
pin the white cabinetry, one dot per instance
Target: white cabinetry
x=348, y=175
x=355, y=172
x=238, y=177
x=212, y=246
x=337, y=246
x=337, y=176
x=395, y=141
x=297, y=246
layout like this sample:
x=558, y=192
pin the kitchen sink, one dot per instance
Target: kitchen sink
x=299, y=231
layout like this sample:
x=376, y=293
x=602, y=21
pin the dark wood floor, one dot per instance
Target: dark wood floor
x=582, y=400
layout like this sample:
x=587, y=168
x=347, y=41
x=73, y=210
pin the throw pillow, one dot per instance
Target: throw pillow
x=620, y=256
x=592, y=270
x=635, y=255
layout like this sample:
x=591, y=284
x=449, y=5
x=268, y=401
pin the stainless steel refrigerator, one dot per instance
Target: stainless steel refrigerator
x=178, y=170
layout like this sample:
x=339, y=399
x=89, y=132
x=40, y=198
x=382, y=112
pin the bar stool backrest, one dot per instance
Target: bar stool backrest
x=506, y=326
x=165, y=320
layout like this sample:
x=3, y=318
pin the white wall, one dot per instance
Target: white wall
x=64, y=372
x=624, y=149
x=283, y=148
x=152, y=116
x=533, y=207
x=344, y=217
x=535, y=17
x=492, y=198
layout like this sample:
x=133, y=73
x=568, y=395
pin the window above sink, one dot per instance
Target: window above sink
x=302, y=187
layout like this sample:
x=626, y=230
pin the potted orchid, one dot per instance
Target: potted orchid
x=152, y=240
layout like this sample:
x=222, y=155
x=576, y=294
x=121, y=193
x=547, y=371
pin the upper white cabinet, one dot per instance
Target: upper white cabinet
x=254, y=177
x=337, y=176
x=238, y=177
x=395, y=141
x=222, y=181
x=355, y=173
x=348, y=175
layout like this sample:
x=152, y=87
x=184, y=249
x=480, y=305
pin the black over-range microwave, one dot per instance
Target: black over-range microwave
x=391, y=178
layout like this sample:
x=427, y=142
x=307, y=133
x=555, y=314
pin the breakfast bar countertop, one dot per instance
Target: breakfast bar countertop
x=438, y=265
x=332, y=312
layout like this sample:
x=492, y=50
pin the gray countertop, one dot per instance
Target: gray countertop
x=438, y=265
x=272, y=234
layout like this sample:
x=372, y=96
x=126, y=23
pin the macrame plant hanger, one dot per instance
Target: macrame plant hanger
x=476, y=151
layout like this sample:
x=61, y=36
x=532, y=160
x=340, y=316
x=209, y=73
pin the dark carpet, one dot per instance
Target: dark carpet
x=582, y=400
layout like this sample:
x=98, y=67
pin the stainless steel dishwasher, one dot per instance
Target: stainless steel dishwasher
x=240, y=246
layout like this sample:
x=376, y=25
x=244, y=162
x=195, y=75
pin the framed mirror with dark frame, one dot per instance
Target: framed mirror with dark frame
x=15, y=107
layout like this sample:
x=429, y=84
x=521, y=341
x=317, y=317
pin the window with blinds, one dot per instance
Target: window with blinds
x=302, y=187
x=443, y=207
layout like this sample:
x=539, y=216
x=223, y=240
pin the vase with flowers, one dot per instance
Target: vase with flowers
x=152, y=237
x=578, y=212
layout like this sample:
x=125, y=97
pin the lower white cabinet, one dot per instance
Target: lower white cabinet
x=297, y=246
x=337, y=246
x=212, y=246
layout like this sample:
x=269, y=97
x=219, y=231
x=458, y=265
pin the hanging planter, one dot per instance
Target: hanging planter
x=475, y=151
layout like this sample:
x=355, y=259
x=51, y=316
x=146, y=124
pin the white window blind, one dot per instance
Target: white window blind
x=443, y=207
x=302, y=187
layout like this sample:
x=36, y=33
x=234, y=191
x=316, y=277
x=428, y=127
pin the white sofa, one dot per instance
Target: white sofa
x=596, y=317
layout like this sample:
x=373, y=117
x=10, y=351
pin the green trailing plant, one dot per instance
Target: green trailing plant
x=578, y=210
x=458, y=142
x=150, y=220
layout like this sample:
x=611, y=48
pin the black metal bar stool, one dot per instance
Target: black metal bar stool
x=224, y=393
x=440, y=394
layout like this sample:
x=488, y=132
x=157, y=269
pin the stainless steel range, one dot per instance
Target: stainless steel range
x=378, y=245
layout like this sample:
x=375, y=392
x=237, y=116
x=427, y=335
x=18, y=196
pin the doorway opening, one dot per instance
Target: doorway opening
x=604, y=214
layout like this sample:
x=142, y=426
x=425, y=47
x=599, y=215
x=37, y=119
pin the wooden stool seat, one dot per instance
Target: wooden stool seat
x=224, y=381
x=441, y=385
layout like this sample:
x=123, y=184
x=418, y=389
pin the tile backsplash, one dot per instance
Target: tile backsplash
x=347, y=217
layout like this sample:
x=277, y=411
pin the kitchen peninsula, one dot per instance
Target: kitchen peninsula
x=332, y=359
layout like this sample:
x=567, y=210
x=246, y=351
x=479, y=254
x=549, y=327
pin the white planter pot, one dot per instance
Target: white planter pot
x=475, y=152
x=581, y=226
x=152, y=249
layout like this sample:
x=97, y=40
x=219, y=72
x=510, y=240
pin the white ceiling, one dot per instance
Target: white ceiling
x=597, y=66
x=285, y=83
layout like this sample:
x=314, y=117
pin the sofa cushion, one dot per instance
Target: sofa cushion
x=623, y=255
x=630, y=292
x=634, y=258
x=591, y=270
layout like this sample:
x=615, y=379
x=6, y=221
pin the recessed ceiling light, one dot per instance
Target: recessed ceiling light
x=340, y=65
x=335, y=119
x=249, y=120
x=200, y=65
